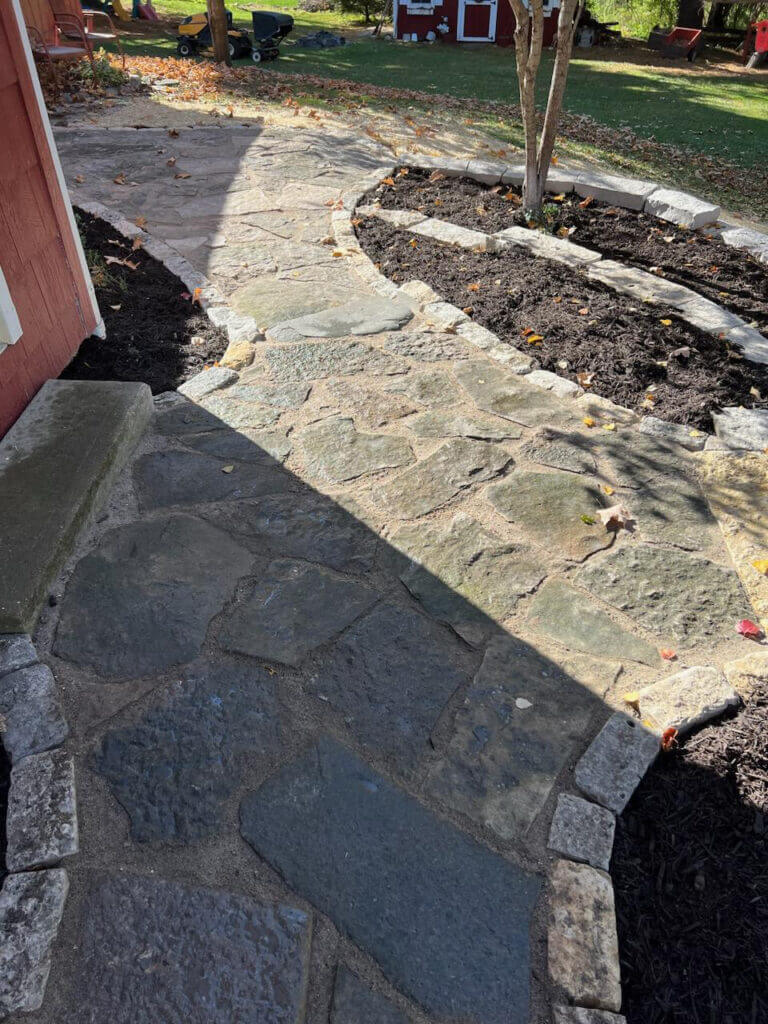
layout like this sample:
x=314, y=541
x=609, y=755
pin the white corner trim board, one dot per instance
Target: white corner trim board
x=10, y=326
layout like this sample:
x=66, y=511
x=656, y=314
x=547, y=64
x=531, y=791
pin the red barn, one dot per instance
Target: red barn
x=465, y=21
x=47, y=303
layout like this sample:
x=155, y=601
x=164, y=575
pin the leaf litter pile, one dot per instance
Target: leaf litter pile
x=156, y=331
x=644, y=357
x=719, y=272
x=690, y=874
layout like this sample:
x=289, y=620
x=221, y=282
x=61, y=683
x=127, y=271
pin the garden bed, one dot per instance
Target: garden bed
x=690, y=873
x=645, y=358
x=717, y=271
x=156, y=332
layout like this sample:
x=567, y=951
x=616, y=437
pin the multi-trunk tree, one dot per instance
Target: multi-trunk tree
x=529, y=40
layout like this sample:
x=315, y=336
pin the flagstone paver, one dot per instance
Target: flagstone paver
x=344, y=630
x=194, y=952
x=455, y=939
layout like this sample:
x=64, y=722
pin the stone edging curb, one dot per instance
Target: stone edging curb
x=736, y=429
x=242, y=331
x=582, y=940
x=41, y=823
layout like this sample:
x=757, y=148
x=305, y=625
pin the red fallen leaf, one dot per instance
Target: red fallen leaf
x=615, y=517
x=749, y=629
x=668, y=654
x=668, y=740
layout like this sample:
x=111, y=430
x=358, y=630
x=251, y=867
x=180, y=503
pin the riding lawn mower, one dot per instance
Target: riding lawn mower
x=269, y=28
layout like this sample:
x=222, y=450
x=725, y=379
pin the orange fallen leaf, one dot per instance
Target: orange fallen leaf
x=749, y=629
x=79, y=179
x=473, y=287
x=120, y=179
x=586, y=202
x=137, y=243
x=668, y=654
x=666, y=322
x=171, y=162
x=584, y=311
x=588, y=421
x=669, y=740
x=140, y=222
x=585, y=379
x=387, y=181
x=182, y=174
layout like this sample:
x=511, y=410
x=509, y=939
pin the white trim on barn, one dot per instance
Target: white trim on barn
x=493, y=10
x=10, y=328
x=16, y=5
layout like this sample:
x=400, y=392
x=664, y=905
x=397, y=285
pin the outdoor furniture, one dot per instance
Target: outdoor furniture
x=73, y=27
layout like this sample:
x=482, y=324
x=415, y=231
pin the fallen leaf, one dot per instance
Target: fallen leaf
x=136, y=244
x=436, y=176
x=668, y=740
x=79, y=179
x=227, y=469
x=141, y=222
x=171, y=162
x=633, y=699
x=761, y=564
x=468, y=310
x=182, y=174
x=586, y=202
x=121, y=262
x=120, y=179
x=668, y=654
x=749, y=629
x=584, y=311
x=607, y=488
x=559, y=197
x=473, y=287
x=588, y=421
x=585, y=379
x=558, y=298
x=387, y=181
x=116, y=308
x=534, y=339
x=666, y=322
x=173, y=133
x=589, y=520
x=615, y=518
x=609, y=426
x=413, y=243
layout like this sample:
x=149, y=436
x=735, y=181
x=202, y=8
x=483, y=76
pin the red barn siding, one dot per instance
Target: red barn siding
x=39, y=253
x=475, y=18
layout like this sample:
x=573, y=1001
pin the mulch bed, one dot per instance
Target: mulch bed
x=670, y=370
x=156, y=333
x=690, y=873
x=719, y=272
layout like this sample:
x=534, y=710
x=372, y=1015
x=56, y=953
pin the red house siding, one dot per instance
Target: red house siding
x=475, y=19
x=39, y=253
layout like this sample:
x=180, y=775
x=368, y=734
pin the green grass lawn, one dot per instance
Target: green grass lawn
x=709, y=113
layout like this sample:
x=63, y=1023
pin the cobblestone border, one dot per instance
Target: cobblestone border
x=41, y=823
x=582, y=940
x=242, y=331
x=736, y=429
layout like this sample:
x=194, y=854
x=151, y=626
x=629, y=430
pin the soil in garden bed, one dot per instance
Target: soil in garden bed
x=690, y=874
x=653, y=362
x=719, y=272
x=154, y=333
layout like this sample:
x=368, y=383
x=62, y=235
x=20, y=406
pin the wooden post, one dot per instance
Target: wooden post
x=217, y=19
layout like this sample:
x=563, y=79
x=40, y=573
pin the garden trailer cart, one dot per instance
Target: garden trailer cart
x=676, y=42
x=269, y=28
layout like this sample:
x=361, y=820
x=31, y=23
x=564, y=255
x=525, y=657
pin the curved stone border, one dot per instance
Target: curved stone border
x=41, y=823
x=242, y=331
x=736, y=429
x=582, y=940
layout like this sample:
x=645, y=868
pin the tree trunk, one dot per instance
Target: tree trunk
x=690, y=13
x=717, y=16
x=529, y=34
x=217, y=19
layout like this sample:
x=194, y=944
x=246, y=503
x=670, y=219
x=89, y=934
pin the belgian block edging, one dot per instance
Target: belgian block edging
x=41, y=827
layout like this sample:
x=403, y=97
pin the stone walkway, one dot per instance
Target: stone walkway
x=343, y=632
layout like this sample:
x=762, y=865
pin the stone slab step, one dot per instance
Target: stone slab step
x=57, y=464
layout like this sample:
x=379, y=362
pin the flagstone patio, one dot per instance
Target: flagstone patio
x=343, y=631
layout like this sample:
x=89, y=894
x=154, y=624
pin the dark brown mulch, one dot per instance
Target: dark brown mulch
x=5, y=783
x=690, y=874
x=154, y=333
x=721, y=273
x=632, y=354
